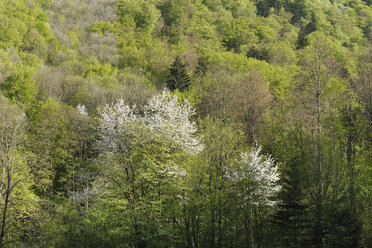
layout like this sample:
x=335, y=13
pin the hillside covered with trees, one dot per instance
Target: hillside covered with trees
x=186, y=123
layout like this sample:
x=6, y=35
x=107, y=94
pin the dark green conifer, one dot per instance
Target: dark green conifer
x=291, y=214
x=178, y=76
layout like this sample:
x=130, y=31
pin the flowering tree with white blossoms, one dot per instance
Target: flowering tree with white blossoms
x=171, y=121
x=142, y=156
x=81, y=109
x=114, y=119
x=260, y=176
x=163, y=116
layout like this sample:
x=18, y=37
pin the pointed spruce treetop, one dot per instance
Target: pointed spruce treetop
x=178, y=77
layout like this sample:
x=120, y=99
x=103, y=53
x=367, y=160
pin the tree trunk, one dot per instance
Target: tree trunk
x=3, y=222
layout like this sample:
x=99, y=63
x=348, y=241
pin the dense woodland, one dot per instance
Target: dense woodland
x=186, y=123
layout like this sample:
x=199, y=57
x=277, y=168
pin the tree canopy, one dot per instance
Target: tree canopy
x=185, y=123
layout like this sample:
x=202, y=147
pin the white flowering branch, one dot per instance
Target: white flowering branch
x=163, y=116
x=171, y=121
x=263, y=174
x=111, y=125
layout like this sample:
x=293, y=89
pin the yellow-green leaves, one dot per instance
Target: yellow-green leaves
x=141, y=13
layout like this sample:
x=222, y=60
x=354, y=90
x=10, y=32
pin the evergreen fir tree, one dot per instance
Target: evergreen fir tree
x=291, y=215
x=178, y=76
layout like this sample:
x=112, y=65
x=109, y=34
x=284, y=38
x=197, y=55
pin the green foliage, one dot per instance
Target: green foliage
x=291, y=75
x=102, y=27
x=18, y=204
x=140, y=182
x=74, y=39
x=61, y=135
x=142, y=14
x=17, y=21
x=263, y=54
x=178, y=76
x=236, y=33
x=101, y=70
x=19, y=84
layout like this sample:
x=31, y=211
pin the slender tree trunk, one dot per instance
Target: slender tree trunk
x=140, y=243
x=3, y=221
x=295, y=232
x=248, y=228
x=219, y=223
x=213, y=221
x=318, y=171
x=195, y=227
x=187, y=228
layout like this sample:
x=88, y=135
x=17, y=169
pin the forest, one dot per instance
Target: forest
x=186, y=123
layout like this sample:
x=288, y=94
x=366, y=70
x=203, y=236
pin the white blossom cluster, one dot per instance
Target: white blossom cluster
x=81, y=110
x=163, y=116
x=111, y=125
x=171, y=121
x=263, y=174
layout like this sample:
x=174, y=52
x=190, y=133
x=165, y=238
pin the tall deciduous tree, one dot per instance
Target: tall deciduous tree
x=16, y=199
x=251, y=103
x=141, y=162
x=257, y=183
x=322, y=88
x=59, y=137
